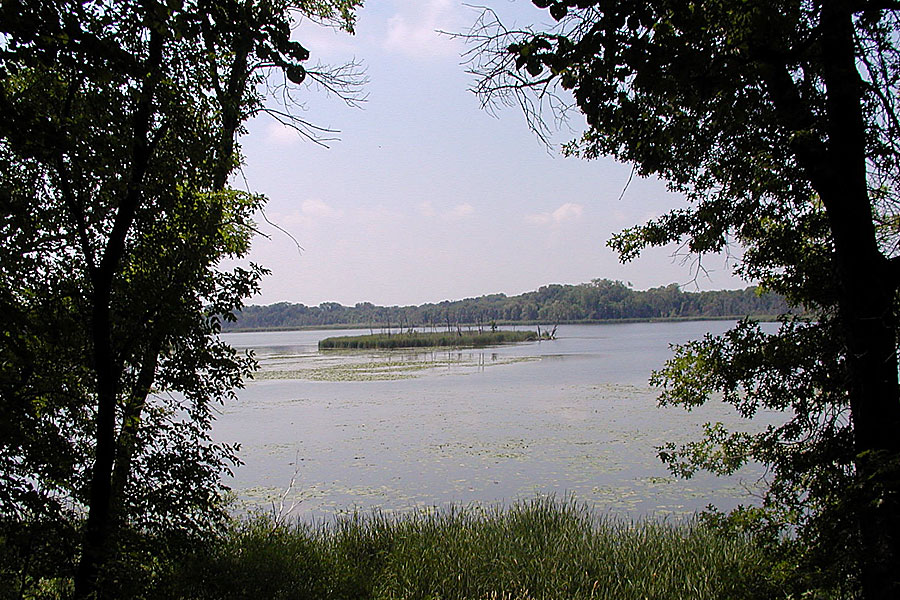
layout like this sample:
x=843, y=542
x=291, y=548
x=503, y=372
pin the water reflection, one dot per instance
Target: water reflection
x=405, y=429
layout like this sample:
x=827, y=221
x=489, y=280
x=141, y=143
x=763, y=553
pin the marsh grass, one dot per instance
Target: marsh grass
x=428, y=340
x=542, y=549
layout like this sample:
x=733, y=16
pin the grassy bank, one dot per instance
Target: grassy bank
x=537, y=550
x=428, y=340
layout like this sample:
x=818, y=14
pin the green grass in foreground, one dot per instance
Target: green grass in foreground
x=541, y=549
x=427, y=340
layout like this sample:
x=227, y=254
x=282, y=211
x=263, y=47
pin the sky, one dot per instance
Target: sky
x=426, y=196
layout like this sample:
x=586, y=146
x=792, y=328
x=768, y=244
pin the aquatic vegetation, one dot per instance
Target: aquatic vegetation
x=381, y=368
x=542, y=548
x=417, y=339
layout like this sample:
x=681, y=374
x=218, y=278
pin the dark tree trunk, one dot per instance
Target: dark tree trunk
x=866, y=302
x=836, y=166
x=230, y=99
x=97, y=534
x=99, y=539
x=132, y=412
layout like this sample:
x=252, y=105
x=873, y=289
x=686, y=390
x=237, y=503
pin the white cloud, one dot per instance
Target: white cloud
x=413, y=30
x=569, y=211
x=426, y=208
x=460, y=211
x=281, y=135
x=311, y=211
x=315, y=208
x=539, y=218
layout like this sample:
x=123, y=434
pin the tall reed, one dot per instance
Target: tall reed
x=542, y=549
x=427, y=339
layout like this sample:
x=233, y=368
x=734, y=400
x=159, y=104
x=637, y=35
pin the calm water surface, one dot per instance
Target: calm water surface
x=333, y=432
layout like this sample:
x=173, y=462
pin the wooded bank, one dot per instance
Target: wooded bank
x=598, y=301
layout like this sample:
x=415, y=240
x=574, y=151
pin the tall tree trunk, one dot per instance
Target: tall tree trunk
x=836, y=166
x=99, y=537
x=230, y=100
x=97, y=534
x=866, y=303
x=132, y=413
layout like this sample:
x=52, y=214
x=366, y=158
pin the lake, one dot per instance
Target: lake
x=331, y=432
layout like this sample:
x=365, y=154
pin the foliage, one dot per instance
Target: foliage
x=809, y=455
x=118, y=128
x=778, y=122
x=599, y=300
x=537, y=549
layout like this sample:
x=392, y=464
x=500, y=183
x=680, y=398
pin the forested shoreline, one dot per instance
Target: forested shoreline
x=600, y=300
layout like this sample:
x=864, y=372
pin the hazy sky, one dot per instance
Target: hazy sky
x=426, y=196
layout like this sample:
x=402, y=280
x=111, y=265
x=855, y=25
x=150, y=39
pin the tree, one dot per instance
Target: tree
x=118, y=133
x=778, y=121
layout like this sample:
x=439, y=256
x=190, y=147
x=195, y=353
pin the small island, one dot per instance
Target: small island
x=421, y=339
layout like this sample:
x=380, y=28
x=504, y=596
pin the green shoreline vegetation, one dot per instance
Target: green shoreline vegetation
x=600, y=301
x=538, y=549
x=762, y=318
x=415, y=339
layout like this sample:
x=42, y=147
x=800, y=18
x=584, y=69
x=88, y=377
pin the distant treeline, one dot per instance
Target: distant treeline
x=599, y=300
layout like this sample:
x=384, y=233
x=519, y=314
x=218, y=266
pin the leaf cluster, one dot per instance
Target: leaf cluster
x=118, y=129
x=735, y=105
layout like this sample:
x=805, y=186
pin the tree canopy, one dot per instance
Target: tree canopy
x=778, y=121
x=118, y=134
x=597, y=301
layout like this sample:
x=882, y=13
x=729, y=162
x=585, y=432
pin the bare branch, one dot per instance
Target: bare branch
x=346, y=81
x=314, y=133
x=499, y=83
x=265, y=217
